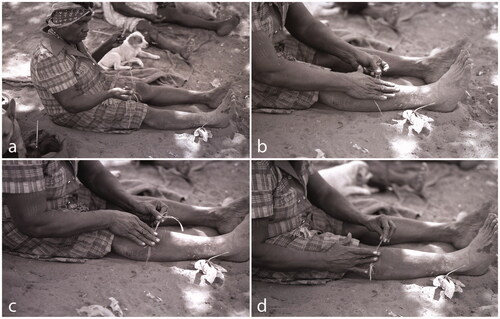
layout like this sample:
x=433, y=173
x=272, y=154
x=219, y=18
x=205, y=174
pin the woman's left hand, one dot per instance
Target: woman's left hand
x=382, y=225
x=151, y=211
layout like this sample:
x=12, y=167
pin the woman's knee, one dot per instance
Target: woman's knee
x=128, y=249
x=156, y=119
x=144, y=91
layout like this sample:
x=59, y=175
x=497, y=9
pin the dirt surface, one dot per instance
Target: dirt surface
x=453, y=191
x=57, y=289
x=223, y=59
x=468, y=132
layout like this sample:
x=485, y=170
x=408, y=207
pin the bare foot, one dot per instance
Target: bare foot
x=216, y=95
x=239, y=241
x=482, y=250
x=439, y=63
x=187, y=49
x=468, y=224
x=222, y=114
x=227, y=26
x=232, y=214
x=452, y=86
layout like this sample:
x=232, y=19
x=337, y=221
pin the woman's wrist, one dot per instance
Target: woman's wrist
x=341, y=82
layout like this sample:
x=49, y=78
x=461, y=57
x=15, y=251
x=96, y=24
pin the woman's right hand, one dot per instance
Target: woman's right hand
x=124, y=94
x=130, y=226
x=362, y=86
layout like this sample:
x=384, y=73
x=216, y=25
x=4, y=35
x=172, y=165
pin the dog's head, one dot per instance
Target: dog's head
x=363, y=174
x=137, y=40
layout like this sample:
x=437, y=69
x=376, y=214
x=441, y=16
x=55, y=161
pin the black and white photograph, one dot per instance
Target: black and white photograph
x=375, y=80
x=126, y=79
x=125, y=238
x=335, y=238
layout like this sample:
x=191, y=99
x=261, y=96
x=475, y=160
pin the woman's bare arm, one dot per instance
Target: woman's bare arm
x=74, y=101
x=268, y=68
x=339, y=258
x=30, y=215
x=309, y=30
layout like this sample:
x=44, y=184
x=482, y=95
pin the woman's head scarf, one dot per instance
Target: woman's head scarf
x=63, y=14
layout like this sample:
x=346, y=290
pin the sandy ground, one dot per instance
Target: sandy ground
x=58, y=289
x=454, y=191
x=468, y=132
x=224, y=59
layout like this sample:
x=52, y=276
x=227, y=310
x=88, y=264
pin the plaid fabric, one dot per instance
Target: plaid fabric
x=57, y=66
x=320, y=233
x=293, y=221
x=270, y=18
x=58, y=180
x=279, y=196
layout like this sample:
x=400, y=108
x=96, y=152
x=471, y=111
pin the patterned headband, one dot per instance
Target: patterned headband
x=60, y=18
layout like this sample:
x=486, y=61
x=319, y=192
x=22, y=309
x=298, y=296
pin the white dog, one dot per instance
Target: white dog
x=127, y=53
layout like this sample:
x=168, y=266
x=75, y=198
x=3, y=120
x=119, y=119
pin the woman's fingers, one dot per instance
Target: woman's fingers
x=161, y=208
x=392, y=228
x=384, y=66
x=387, y=89
x=364, y=252
x=135, y=239
x=147, y=231
x=385, y=229
x=144, y=237
x=364, y=261
x=359, y=270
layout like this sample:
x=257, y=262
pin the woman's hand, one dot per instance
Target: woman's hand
x=130, y=226
x=362, y=86
x=372, y=64
x=124, y=94
x=116, y=40
x=155, y=18
x=151, y=210
x=382, y=225
x=342, y=258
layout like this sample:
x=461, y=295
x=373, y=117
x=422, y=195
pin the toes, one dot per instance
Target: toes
x=461, y=56
x=491, y=221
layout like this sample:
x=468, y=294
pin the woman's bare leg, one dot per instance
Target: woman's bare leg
x=222, y=218
x=176, y=246
x=444, y=94
x=162, y=119
x=474, y=260
x=165, y=95
x=459, y=233
x=430, y=69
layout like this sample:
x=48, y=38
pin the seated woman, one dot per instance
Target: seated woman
x=312, y=51
x=74, y=210
x=76, y=93
x=305, y=231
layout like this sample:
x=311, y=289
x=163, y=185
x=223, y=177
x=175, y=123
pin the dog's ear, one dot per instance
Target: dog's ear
x=11, y=109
